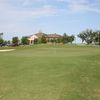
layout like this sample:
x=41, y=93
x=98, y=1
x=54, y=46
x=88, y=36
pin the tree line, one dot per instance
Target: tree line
x=87, y=36
x=24, y=40
x=63, y=39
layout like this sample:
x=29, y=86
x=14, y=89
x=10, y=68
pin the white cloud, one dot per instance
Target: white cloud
x=74, y=6
x=12, y=17
x=30, y=2
x=14, y=13
x=10, y=11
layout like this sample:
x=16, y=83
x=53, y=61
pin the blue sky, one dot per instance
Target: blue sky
x=25, y=17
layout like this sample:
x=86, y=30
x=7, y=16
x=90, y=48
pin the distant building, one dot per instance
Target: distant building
x=31, y=39
x=38, y=35
x=50, y=37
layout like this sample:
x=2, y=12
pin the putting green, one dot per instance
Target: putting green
x=50, y=72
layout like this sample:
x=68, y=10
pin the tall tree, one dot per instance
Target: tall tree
x=5, y=42
x=59, y=40
x=71, y=38
x=97, y=37
x=1, y=41
x=81, y=36
x=24, y=41
x=8, y=42
x=87, y=36
x=15, y=41
x=65, y=38
x=43, y=39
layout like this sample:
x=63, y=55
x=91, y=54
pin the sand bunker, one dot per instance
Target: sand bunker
x=7, y=50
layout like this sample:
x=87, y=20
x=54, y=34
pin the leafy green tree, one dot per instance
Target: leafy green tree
x=43, y=39
x=1, y=41
x=5, y=42
x=71, y=38
x=87, y=36
x=8, y=42
x=65, y=38
x=53, y=40
x=97, y=37
x=15, y=41
x=24, y=41
x=36, y=41
x=81, y=36
x=59, y=40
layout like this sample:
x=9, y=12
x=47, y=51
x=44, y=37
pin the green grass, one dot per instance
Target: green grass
x=48, y=72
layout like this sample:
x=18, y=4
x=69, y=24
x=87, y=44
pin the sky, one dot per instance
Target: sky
x=26, y=17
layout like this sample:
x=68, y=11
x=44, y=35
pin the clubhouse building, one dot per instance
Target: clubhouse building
x=38, y=35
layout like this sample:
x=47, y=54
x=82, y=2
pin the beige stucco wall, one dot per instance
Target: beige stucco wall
x=32, y=38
